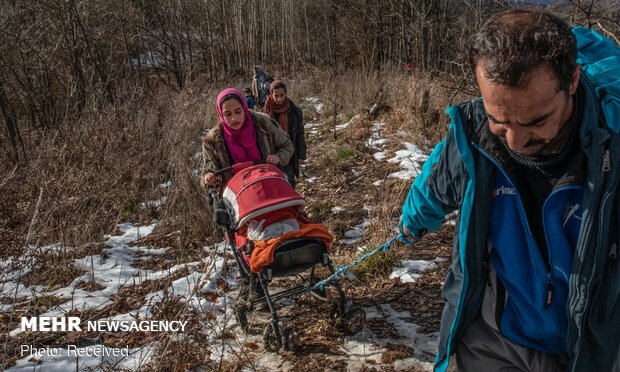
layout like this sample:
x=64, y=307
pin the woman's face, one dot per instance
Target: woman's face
x=233, y=113
x=279, y=95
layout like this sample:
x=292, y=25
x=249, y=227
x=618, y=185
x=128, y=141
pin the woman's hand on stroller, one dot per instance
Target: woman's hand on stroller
x=210, y=179
x=272, y=159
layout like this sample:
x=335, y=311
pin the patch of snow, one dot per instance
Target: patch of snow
x=378, y=183
x=379, y=155
x=337, y=210
x=311, y=128
x=365, y=348
x=360, y=353
x=411, y=270
x=316, y=102
x=155, y=252
x=311, y=179
x=411, y=159
x=355, y=235
x=377, y=126
x=130, y=233
x=342, y=126
x=451, y=218
x=152, y=203
x=376, y=141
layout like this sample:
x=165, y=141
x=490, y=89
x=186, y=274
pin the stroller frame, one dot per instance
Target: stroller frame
x=344, y=315
x=291, y=257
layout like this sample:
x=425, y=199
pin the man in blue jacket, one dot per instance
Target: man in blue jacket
x=533, y=169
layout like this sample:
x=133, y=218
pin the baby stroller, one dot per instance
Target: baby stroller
x=257, y=192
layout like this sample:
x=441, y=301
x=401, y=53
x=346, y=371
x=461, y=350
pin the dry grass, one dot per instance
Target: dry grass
x=413, y=103
x=93, y=173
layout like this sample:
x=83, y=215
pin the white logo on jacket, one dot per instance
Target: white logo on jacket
x=571, y=212
x=503, y=190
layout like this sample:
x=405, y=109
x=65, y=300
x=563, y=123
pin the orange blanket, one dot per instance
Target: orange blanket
x=262, y=254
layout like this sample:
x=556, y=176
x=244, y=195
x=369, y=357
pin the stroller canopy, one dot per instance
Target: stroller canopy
x=257, y=190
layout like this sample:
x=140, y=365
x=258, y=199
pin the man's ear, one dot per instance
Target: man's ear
x=574, y=81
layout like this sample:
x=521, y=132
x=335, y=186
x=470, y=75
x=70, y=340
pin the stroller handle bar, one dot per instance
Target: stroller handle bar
x=239, y=166
x=215, y=196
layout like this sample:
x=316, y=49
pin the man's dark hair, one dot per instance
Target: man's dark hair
x=513, y=43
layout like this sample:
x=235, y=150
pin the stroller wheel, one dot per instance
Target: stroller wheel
x=291, y=339
x=354, y=319
x=269, y=339
x=335, y=317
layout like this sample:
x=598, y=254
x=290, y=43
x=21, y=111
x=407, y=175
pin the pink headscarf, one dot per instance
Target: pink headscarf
x=241, y=142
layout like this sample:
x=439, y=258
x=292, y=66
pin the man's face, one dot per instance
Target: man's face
x=528, y=118
x=279, y=95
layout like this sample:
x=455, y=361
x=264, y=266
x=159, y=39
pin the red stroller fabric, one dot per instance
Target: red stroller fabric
x=261, y=192
x=258, y=190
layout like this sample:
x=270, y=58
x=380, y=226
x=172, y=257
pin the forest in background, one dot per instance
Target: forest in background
x=102, y=101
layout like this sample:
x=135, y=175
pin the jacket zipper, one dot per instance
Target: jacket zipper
x=549, y=288
x=605, y=168
x=606, y=161
x=549, y=292
x=613, y=252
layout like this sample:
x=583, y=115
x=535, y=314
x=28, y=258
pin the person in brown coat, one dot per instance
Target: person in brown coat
x=241, y=136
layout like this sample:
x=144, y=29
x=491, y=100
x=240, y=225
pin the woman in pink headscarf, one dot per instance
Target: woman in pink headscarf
x=241, y=136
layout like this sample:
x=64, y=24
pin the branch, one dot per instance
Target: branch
x=608, y=33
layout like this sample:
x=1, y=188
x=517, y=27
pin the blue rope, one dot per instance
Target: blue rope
x=340, y=270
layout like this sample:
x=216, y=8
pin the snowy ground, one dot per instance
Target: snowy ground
x=115, y=269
